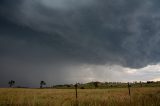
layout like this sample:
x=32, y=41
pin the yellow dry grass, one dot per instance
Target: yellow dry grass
x=86, y=97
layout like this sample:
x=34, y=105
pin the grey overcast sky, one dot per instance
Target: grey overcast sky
x=68, y=41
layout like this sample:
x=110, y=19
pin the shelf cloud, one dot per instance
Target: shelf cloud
x=46, y=38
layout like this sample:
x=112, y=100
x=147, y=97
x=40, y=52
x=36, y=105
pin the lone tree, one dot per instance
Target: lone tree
x=42, y=83
x=95, y=84
x=11, y=83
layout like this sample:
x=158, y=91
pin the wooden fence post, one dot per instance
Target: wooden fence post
x=76, y=85
x=140, y=83
x=129, y=91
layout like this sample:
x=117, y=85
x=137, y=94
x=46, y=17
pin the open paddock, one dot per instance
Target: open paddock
x=147, y=96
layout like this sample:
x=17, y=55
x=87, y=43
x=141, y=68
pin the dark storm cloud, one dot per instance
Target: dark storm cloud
x=94, y=32
x=101, y=32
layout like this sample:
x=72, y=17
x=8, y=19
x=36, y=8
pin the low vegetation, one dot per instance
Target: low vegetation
x=108, y=85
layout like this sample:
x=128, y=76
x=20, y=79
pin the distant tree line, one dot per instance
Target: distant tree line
x=94, y=85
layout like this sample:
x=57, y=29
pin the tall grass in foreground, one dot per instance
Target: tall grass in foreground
x=86, y=97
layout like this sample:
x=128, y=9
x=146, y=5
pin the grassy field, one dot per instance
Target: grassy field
x=86, y=97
